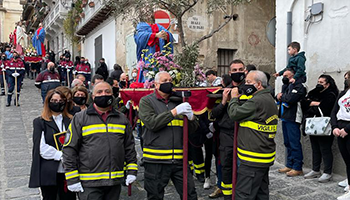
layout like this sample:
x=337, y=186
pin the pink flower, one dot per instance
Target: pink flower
x=161, y=69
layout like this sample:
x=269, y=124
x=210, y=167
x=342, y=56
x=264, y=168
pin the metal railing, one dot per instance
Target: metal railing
x=57, y=11
x=90, y=12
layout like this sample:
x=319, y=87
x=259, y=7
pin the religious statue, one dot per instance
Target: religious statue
x=38, y=40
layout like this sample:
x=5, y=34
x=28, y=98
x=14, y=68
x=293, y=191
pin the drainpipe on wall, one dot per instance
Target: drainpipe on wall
x=289, y=26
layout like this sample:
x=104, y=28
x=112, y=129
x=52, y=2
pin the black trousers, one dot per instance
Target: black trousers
x=209, y=147
x=252, y=183
x=322, y=150
x=101, y=193
x=344, y=148
x=195, y=154
x=226, y=158
x=60, y=190
x=157, y=177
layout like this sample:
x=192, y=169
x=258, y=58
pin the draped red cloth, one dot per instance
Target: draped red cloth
x=198, y=100
x=32, y=59
x=43, y=51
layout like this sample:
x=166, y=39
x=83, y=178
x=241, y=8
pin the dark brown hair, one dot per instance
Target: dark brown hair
x=81, y=89
x=295, y=45
x=46, y=114
x=68, y=93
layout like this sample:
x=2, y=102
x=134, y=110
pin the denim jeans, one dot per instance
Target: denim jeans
x=291, y=135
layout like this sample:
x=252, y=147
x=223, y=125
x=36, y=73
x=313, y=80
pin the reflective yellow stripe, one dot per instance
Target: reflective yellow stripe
x=96, y=128
x=199, y=166
x=192, y=168
x=227, y=186
x=262, y=155
x=256, y=160
x=245, y=97
x=103, y=175
x=200, y=171
x=227, y=192
x=163, y=157
x=116, y=128
x=270, y=119
x=70, y=135
x=259, y=127
x=218, y=101
x=174, y=122
x=72, y=174
x=190, y=162
x=138, y=121
x=167, y=151
x=132, y=166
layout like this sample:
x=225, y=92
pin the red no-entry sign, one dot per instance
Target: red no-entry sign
x=162, y=18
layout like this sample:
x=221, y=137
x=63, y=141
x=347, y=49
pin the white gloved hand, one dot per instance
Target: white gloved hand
x=74, y=71
x=128, y=104
x=77, y=187
x=189, y=115
x=183, y=108
x=15, y=74
x=211, y=127
x=68, y=70
x=209, y=135
x=130, y=179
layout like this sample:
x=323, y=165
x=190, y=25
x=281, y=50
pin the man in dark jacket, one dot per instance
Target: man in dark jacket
x=162, y=119
x=258, y=120
x=98, y=142
x=47, y=80
x=102, y=70
x=291, y=115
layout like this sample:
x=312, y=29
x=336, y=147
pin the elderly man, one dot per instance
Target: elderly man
x=162, y=119
x=123, y=81
x=77, y=82
x=257, y=119
x=98, y=143
x=47, y=80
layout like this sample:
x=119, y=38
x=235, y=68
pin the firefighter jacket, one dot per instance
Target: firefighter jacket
x=14, y=65
x=3, y=64
x=83, y=69
x=162, y=132
x=258, y=120
x=47, y=80
x=66, y=64
x=95, y=151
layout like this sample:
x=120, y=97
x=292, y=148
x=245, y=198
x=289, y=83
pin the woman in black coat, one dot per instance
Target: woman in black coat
x=48, y=138
x=323, y=97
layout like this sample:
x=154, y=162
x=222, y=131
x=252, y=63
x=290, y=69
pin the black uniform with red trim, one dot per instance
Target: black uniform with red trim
x=2, y=73
x=62, y=68
x=15, y=65
x=46, y=81
x=85, y=70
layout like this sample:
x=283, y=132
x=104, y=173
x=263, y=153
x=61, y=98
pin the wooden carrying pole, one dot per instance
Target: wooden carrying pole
x=16, y=91
x=68, y=81
x=185, y=95
x=234, y=164
x=4, y=79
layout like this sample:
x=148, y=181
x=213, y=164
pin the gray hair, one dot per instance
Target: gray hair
x=76, y=81
x=94, y=88
x=260, y=76
x=157, y=77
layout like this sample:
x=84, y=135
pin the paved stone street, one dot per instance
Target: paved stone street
x=16, y=148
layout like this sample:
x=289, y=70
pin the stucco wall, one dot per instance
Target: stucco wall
x=325, y=45
x=9, y=18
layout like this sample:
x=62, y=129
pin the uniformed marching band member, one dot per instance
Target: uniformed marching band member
x=47, y=80
x=258, y=118
x=66, y=64
x=84, y=69
x=14, y=68
x=3, y=61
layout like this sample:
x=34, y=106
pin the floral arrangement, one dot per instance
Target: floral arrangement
x=200, y=77
x=151, y=64
x=30, y=51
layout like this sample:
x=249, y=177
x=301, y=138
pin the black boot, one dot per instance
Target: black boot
x=9, y=97
x=17, y=103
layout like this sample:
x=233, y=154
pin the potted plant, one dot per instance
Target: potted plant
x=91, y=4
x=82, y=15
x=84, y=2
x=77, y=19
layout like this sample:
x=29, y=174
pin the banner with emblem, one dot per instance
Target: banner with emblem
x=59, y=139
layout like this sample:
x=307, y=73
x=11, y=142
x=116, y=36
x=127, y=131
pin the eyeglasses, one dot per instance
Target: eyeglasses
x=56, y=101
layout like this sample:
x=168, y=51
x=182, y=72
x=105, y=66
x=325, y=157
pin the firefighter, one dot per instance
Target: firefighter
x=3, y=61
x=66, y=64
x=47, y=80
x=162, y=120
x=98, y=142
x=258, y=118
x=14, y=68
x=84, y=69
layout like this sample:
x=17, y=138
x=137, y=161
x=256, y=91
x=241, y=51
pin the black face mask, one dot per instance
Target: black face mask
x=319, y=87
x=57, y=107
x=103, y=101
x=52, y=69
x=166, y=88
x=16, y=57
x=3, y=58
x=248, y=89
x=115, y=91
x=122, y=84
x=285, y=80
x=79, y=100
x=238, y=77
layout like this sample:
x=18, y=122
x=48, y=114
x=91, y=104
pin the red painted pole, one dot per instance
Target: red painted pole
x=129, y=190
x=130, y=118
x=234, y=165
x=185, y=154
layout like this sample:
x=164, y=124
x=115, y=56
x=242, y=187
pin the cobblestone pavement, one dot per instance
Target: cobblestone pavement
x=16, y=148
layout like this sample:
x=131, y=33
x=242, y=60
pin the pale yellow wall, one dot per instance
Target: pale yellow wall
x=9, y=18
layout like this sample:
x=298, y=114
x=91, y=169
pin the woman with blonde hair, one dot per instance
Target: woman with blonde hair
x=48, y=138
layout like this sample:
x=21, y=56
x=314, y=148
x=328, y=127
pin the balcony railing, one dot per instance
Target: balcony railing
x=90, y=12
x=58, y=11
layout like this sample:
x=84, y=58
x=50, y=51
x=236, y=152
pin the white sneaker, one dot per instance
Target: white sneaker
x=206, y=183
x=312, y=174
x=345, y=196
x=346, y=189
x=343, y=183
x=325, y=178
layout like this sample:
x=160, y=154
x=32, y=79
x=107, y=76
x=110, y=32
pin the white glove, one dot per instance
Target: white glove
x=209, y=135
x=128, y=104
x=76, y=187
x=68, y=70
x=130, y=179
x=74, y=71
x=15, y=74
x=211, y=127
x=184, y=109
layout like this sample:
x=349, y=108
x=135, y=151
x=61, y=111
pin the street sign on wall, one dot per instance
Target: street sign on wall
x=162, y=18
